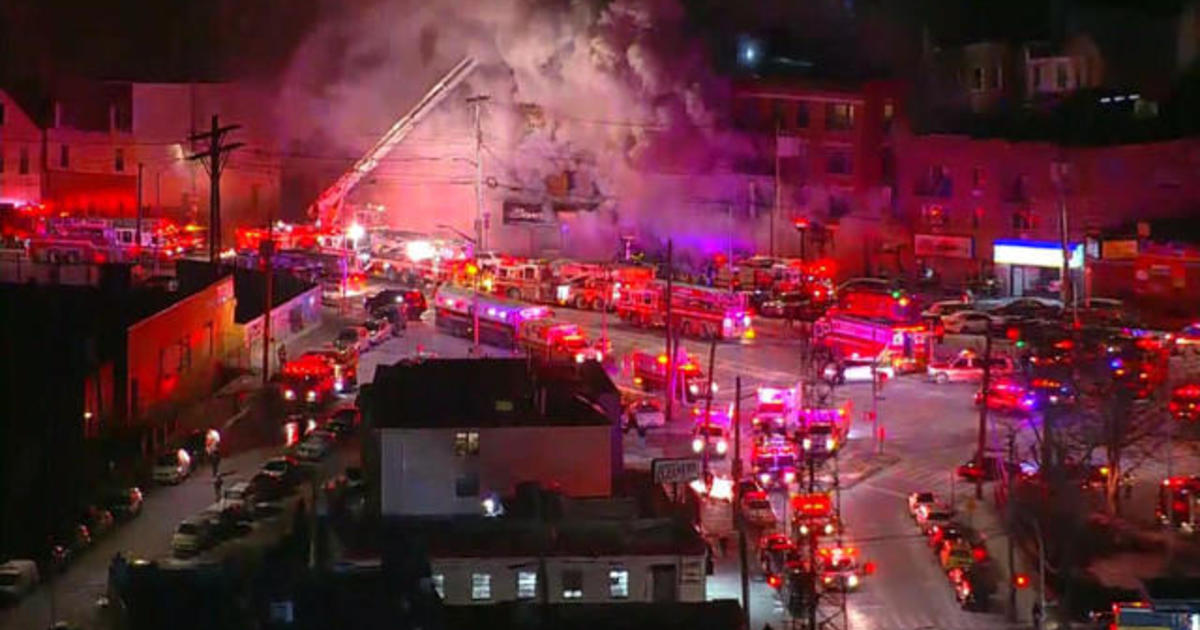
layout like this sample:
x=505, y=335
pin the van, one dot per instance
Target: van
x=17, y=578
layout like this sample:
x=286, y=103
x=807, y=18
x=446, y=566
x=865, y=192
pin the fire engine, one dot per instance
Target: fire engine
x=812, y=515
x=773, y=408
x=100, y=240
x=854, y=336
x=344, y=364
x=597, y=287
x=695, y=311
x=527, y=279
x=553, y=340
x=1179, y=502
x=650, y=374
x=308, y=380
x=499, y=319
x=822, y=431
x=285, y=236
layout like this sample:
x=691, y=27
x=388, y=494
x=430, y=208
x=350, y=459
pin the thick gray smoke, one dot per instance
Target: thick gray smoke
x=611, y=92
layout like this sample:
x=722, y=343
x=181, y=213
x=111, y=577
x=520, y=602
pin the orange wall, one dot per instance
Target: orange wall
x=174, y=354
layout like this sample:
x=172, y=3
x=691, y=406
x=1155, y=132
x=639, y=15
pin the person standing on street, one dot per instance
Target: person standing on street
x=1037, y=615
x=214, y=458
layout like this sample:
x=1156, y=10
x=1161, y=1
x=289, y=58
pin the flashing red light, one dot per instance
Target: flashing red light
x=1065, y=344
x=662, y=359
x=1021, y=580
x=1013, y=334
x=1188, y=391
x=774, y=581
x=817, y=504
x=979, y=554
x=869, y=568
x=800, y=224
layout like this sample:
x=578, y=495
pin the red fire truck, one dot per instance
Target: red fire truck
x=527, y=279
x=597, y=287
x=307, y=380
x=854, y=338
x=695, y=311
x=650, y=374
x=344, y=364
x=1179, y=502
x=499, y=319
x=556, y=341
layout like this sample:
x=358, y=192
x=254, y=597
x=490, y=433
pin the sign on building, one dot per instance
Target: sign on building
x=675, y=469
x=524, y=213
x=943, y=246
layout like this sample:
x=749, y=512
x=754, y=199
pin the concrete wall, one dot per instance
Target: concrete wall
x=174, y=355
x=289, y=321
x=418, y=467
x=457, y=577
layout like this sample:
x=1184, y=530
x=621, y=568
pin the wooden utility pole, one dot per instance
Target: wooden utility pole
x=214, y=160
x=137, y=225
x=737, y=514
x=670, y=405
x=266, y=249
x=983, y=409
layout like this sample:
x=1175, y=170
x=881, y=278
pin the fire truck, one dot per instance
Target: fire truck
x=94, y=240
x=695, y=311
x=344, y=364
x=1179, y=502
x=527, y=279
x=499, y=319
x=822, y=431
x=774, y=407
x=597, y=287
x=556, y=341
x=307, y=380
x=650, y=374
x=856, y=337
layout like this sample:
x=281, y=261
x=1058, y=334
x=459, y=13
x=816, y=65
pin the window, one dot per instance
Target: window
x=467, y=485
x=481, y=586
x=994, y=80
x=839, y=163
x=526, y=584
x=23, y=165
x=801, y=115
x=618, y=583
x=439, y=584
x=778, y=115
x=466, y=443
x=1, y=113
x=572, y=582
x=889, y=115
x=1060, y=75
x=119, y=160
x=977, y=78
x=1037, y=78
x=839, y=116
x=64, y=156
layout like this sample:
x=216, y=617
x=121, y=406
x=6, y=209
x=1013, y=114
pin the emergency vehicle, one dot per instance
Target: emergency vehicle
x=696, y=311
x=552, y=340
x=1185, y=402
x=650, y=374
x=1179, y=502
x=344, y=364
x=822, y=431
x=773, y=462
x=527, y=279
x=597, y=287
x=812, y=515
x=853, y=337
x=839, y=568
x=773, y=407
x=307, y=380
x=499, y=319
x=285, y=236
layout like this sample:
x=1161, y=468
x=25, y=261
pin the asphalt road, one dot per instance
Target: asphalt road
x=929, y=430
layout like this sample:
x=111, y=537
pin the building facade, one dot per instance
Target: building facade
x=20, y=154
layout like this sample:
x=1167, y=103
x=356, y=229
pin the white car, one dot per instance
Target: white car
x=192, y=535
x=237, y=497
x=757, y=510
x=918, y=499
x=858, y=371
x=645, y=414
x=316, y=446
x=946, y=308
x=967, y=322
x=172, y=467
x=17, y=578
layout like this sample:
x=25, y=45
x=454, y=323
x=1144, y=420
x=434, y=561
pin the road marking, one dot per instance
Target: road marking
x=887, y=491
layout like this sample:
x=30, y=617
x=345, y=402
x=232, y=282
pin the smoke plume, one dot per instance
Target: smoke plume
x=598, y=103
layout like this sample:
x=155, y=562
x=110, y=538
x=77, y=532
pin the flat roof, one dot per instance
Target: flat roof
x=435, y=393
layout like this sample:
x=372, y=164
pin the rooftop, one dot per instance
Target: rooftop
x=436, y=393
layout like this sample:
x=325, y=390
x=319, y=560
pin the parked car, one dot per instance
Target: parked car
x=644, y=414
x=917, y=500
x=384, y=298
x=192, y=536
x=967, y=322
x=932, y=516
x=172, y=467
x=17, y=579
x=238, y=497
x=98, y=520
x=967, y=367
x=858, y=371
x=267, y=487
x=941, y=309
x=342, y=423
x=379, y=330
x=124, y=502
x=70, y=542
x=284, y=468
x=357, y=338
x=972, y=470
x=316, y=445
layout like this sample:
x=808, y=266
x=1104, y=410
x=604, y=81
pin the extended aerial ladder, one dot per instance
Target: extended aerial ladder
x=326, y=209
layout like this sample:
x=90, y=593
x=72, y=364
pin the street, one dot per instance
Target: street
x=929, y=429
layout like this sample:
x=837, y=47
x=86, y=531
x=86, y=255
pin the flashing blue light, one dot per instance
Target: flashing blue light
x=1115, y=364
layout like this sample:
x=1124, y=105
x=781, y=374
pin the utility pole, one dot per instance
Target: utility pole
x=708, y=396
x=267, y=248
x=1008, y=480
x=1066, y=290
x=737, y=514
x=214, y=161
x=778, y=192
x=983, y=408
x=670, y=350
x=476, y=103
x=137, y=225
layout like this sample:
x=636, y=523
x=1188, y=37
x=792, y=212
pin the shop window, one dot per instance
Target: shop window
x=439, y=585
x=572, y=582
x=618, y=583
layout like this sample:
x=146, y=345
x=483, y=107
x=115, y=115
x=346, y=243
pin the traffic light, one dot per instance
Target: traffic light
x=1021, y=580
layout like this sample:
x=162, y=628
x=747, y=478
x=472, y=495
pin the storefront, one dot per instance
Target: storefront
x=944, y=258
x=1034, y=267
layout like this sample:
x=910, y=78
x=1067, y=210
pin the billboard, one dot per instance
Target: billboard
x=525, y=213
x=943, y=246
